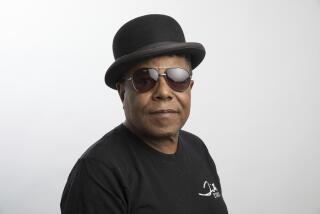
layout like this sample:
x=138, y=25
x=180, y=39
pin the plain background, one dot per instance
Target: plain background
x=255, y=99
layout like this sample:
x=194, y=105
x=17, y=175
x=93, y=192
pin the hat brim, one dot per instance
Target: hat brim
x=122, y=64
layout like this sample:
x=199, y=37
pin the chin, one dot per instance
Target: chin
x=162, y=132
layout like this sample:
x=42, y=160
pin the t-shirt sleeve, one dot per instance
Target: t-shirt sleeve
x=94, y=188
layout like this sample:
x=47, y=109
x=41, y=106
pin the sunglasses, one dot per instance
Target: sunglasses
x=144, y=79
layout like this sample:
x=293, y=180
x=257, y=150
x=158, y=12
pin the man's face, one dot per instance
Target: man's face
x=161, y=111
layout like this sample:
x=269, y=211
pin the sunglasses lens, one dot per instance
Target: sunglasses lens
x=178, y=79
x=144, y=79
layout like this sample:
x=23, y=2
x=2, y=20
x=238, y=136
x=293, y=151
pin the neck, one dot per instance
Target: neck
x=167, y=144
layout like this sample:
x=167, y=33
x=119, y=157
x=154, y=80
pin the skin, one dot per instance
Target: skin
x=160, y=130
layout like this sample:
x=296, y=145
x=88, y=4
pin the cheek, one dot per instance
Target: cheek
x=127, y=105
x=134, y=106
x=185, y=101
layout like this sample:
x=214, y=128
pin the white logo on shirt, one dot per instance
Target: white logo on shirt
x=212, y=190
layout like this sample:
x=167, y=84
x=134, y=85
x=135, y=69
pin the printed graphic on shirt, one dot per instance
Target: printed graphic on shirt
x=212, y=190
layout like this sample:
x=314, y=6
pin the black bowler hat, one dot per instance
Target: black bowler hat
x=145, y=37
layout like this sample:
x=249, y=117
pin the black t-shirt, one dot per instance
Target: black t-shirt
x=120, y=174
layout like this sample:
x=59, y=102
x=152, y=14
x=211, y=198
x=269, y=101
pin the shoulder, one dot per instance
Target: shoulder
x=190, y=136
x=109, y=149
x=197, y=147
x=193, y=141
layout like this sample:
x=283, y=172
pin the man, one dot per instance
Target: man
x=148, y=164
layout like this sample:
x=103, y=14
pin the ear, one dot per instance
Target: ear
x=120, y=88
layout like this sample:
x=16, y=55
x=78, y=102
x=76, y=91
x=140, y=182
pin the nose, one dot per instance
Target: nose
x=162, y=90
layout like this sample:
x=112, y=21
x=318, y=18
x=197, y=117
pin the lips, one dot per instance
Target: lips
x=164, y=111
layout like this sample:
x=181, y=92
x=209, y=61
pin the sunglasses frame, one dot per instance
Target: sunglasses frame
x=164, y=74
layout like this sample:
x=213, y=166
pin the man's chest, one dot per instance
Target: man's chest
x=176, y=188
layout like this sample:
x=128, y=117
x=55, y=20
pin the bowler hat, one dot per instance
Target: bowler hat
x=149, y=36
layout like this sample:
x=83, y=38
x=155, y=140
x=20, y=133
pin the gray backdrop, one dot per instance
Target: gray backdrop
x=255, y=98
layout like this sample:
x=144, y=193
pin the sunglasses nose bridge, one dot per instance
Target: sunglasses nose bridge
x=163, y=74
x=157, y=74
x=162, y=86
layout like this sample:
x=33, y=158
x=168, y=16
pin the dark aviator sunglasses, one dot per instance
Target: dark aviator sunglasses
x=144, y=79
